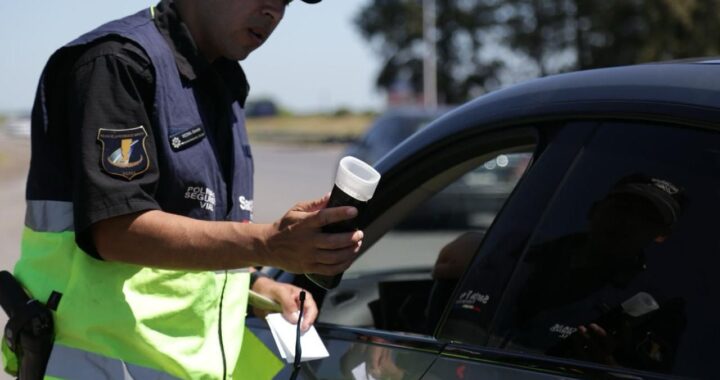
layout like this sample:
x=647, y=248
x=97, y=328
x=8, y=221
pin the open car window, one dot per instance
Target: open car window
x=402, y=282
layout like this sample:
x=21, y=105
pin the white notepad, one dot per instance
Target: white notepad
x=284, y=334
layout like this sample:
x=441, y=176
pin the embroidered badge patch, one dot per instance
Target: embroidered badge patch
x=123, y=151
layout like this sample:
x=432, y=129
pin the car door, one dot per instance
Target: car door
x=379, y=322
x=610, y=274
x=474, y=303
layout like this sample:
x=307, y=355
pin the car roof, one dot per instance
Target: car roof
x=415, y=111
x=687, y=92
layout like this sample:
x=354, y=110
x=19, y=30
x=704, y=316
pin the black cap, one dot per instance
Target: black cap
x=667, y=198
x=311, y=1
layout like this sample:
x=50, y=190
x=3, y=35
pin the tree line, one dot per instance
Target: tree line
x=484, y=44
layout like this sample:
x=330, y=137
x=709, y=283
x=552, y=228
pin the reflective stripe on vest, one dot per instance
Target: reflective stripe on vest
x=49, y=216
x=257, y=362
x=72, y=363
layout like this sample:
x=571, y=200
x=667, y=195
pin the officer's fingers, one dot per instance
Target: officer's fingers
x=289, y=220
x=331, y=215
x=386, y=359
x=338, y=241
x=310, y=312
x=288, y=301
x=337, y=267
x=375, y=355
x=313, y=205
x=337, y=256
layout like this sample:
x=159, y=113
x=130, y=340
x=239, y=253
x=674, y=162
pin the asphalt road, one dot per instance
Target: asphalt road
x=287, y=174
x=14, y=161
x=284, y=175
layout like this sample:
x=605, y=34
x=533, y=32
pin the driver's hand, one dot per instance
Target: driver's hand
x=593, y=343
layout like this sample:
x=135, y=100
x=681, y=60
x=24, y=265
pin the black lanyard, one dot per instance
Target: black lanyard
x=298, y=346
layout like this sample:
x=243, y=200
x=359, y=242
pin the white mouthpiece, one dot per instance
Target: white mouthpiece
x=356, y=178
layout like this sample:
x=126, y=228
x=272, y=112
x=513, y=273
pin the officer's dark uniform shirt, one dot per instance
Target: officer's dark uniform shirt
x=111, y=84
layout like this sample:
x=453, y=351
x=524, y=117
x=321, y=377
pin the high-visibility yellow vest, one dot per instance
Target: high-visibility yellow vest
x=117, y=317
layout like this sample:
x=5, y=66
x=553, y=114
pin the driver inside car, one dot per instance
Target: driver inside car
x=588, y=295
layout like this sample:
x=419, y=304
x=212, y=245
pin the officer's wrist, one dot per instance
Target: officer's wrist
x=255, y=275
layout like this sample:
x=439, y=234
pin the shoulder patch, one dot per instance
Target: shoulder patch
x=123, y=151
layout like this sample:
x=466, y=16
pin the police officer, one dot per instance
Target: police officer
x=140, y=196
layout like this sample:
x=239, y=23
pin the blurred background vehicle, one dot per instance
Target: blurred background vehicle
x=261, y=108
x=17, y=126
x=389, y=129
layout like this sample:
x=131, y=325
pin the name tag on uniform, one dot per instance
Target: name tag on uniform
x=185, y=139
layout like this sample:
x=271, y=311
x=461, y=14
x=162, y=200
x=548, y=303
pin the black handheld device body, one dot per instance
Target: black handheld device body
x=355, y=183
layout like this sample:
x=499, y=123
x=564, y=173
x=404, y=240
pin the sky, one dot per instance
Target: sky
x=316, y=61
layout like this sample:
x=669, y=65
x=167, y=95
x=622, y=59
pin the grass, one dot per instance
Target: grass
x=301, y=129
x=304, y=129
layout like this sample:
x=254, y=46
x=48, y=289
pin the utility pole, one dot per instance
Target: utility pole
x=430, y=59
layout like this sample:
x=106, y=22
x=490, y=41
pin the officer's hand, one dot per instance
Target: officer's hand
x=288, y=296
x=296, y=243
x=380, y=363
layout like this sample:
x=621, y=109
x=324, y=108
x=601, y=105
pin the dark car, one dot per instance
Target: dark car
x=602, y=262
x=390, y=129
x=471, y=201
x=261, y=108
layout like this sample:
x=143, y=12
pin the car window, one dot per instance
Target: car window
x=404, y=280
x=622, y=268
x=472, y=201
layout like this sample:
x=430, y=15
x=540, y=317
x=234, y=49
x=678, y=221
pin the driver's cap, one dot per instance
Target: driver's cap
x=667, y=198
